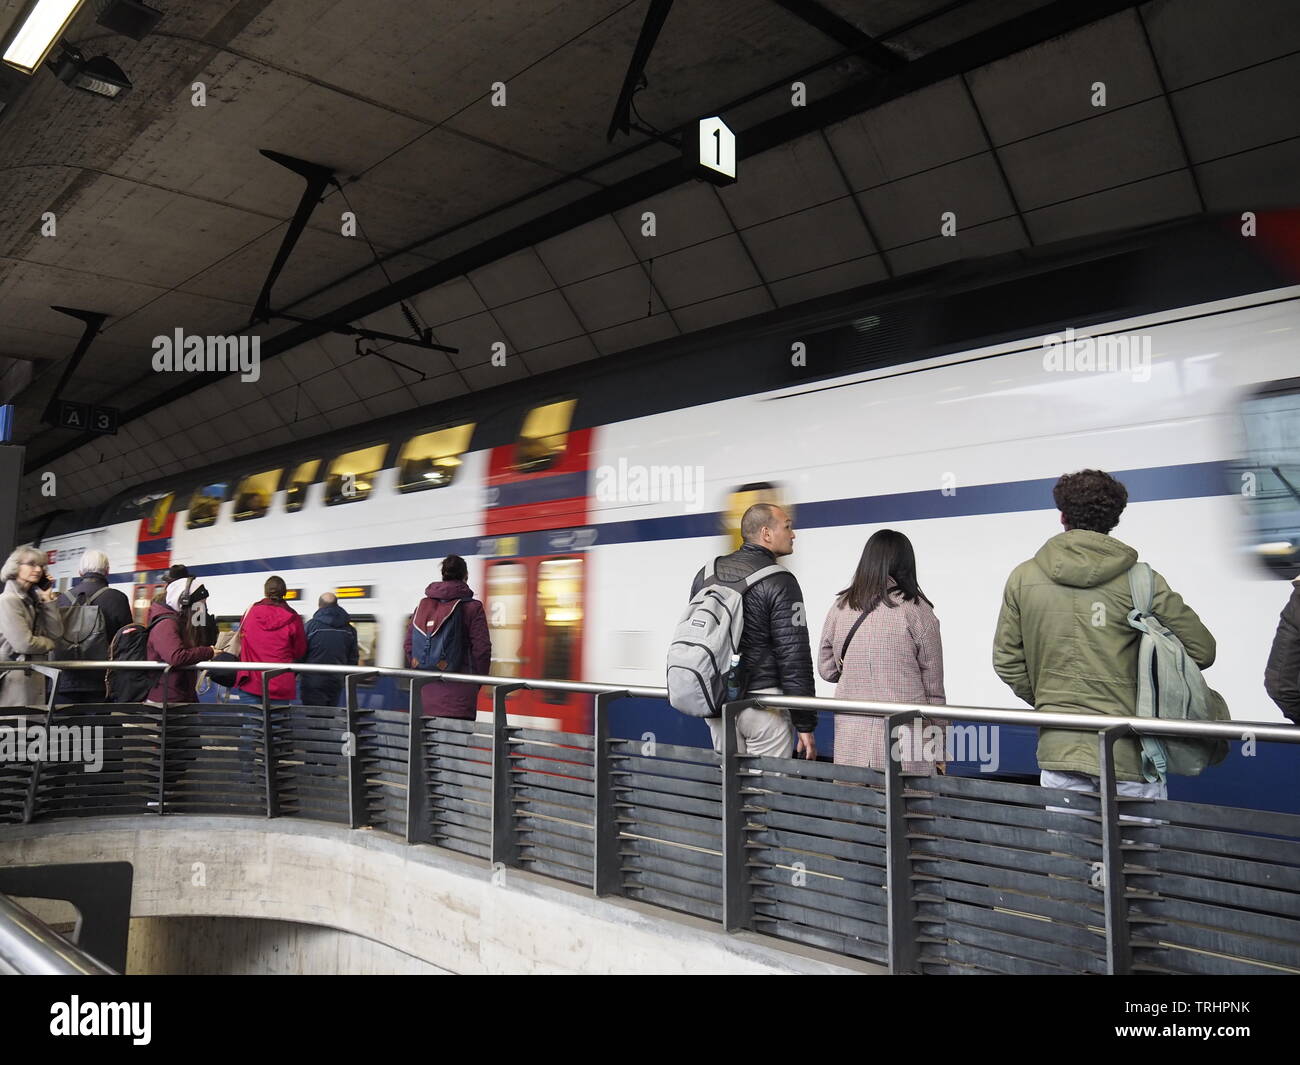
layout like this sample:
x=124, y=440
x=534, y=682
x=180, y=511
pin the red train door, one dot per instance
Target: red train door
x=536, y=575
x=536, y=607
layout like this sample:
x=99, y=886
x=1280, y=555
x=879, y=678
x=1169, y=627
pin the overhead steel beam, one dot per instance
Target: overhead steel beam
x=997, y=42
x=91, y=320
x=317, y=178
x=876, y=55
x=645, y=43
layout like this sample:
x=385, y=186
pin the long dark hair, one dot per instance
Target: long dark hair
x=887, y=554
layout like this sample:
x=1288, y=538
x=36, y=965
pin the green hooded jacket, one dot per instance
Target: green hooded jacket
x=1064, y=643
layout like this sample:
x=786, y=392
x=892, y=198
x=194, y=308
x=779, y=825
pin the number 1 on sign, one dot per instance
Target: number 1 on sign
x=717, y=144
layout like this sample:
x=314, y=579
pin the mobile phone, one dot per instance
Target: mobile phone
x=45, y=582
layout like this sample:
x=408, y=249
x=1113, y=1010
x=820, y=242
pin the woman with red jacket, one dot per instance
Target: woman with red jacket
x=177, y=640
x=448, y=698
x=272, y=631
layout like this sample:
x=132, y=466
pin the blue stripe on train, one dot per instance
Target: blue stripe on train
x=1191, y=481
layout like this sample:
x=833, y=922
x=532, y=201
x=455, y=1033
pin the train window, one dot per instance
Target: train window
x=507, y=594
x=253, y=495
x=367, y=627
x=431, y=459
x=544, y=435
x=352, y=475
x=744, y=497
x=559, y=600
x=1269, y=476
x=158, y=515
x=205, y=505
x=302, y=478
x=137, y=507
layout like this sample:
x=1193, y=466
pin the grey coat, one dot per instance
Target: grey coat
x=27, y=631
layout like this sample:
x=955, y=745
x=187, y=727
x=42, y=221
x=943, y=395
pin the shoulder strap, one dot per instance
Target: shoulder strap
x=852, y=632
x=762, y=574
x=97, y=594
x=1140, y=586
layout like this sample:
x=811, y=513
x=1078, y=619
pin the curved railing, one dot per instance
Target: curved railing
x=920, y=873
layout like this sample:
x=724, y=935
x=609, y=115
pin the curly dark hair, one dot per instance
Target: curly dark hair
x=1090, y=499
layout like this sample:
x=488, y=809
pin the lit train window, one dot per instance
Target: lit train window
x=745, y=497
x=1268, y=477
x=367, y=626
x=352, y=475
x=432, y=459
x=559, y=601
x=253, y=495
x=158, y=516
x=544, y=435
x=205, y=505
x=302, y=478
x=507, y=598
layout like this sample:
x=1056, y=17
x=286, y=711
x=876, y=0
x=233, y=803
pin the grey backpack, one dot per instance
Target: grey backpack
x=85, y=638
x=706, y=640
x=1170, y=686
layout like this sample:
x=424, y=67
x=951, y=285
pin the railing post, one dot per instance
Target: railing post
x=505, y=841
x=904, y=952
x=737, y=899
x=358, y=815
x=606, y=874
x=268, y=748
x=29, y=803
x=1119, y=952
x=419, y=804
x=162, y=755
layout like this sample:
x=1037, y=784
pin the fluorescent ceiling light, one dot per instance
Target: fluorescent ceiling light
x=38, y=34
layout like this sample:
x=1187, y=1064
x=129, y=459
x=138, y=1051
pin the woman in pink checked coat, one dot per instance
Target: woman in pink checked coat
x=894, y=654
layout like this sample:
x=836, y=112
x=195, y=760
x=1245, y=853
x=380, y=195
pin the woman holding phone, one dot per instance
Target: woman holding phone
x=30, y=623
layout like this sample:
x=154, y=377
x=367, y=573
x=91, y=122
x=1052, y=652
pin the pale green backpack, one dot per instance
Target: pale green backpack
x=1171, y=687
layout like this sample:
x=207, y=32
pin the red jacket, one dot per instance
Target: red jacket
x=167, y=645
x=448, y=698
x=273, y=632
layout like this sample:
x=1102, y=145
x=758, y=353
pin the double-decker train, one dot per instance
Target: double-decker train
x=944, y=406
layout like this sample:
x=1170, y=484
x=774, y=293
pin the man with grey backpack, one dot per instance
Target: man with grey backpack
x=1087, y=629
x=92, y=615
x=745, y=632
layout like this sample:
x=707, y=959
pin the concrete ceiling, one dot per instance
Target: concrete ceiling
x=168, y=217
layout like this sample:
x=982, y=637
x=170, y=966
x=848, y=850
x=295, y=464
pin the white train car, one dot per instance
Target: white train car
x=583, y=533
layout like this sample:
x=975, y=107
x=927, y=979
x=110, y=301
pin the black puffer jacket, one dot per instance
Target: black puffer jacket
x=774, y=647
x=1282, y=674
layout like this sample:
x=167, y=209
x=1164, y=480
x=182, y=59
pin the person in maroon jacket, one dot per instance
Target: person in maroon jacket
x=448, y=698
x=176, y=641
x=272, y=631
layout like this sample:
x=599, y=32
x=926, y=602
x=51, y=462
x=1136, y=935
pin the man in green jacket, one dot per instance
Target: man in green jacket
x=1064, y=643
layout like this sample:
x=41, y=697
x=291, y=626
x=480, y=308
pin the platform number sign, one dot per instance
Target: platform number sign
x=714, y=155
x=87, y=418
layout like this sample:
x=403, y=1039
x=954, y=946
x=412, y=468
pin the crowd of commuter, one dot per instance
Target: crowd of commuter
x=1063, y=641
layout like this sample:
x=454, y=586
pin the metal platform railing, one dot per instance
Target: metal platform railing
x=924, y=874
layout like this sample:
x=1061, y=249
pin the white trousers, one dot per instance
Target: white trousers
x=760, y=732
x=1135, y=789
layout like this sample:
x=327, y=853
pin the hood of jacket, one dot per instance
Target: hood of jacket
x=449, y=590
x=1079, y=558
x=332, y=617
x=157, y=610
x=272, y=615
